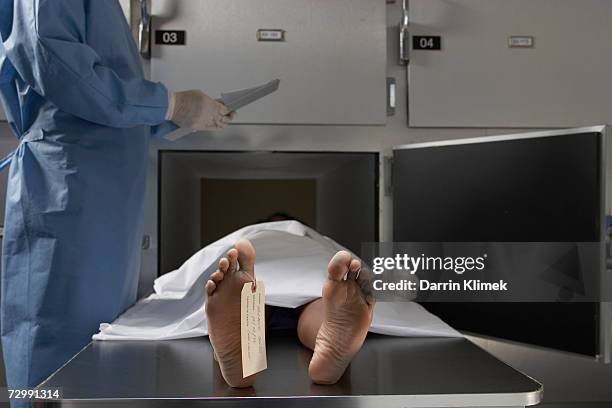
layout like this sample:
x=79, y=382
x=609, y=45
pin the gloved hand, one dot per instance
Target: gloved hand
x=198, y=111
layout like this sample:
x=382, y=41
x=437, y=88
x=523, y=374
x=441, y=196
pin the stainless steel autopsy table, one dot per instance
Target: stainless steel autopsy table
x=388, y=372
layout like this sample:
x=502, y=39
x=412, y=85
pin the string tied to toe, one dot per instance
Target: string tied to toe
x=254, y=287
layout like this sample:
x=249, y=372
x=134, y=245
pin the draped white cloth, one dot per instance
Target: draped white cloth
x=292, y=261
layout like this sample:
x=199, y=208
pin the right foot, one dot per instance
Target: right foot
x=347, y=317
x=223, y=311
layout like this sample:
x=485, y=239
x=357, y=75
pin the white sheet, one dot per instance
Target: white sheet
x=291, y=258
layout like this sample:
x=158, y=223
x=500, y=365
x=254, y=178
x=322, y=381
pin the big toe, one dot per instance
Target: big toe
x=339, y=265
x=246, y=255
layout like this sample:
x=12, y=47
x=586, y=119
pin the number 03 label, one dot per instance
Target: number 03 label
x=170, y=37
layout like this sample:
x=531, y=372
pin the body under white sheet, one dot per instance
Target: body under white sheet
x=291, y=259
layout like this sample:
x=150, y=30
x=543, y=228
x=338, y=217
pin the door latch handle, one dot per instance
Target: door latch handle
x=144, y=30
x=404, y=35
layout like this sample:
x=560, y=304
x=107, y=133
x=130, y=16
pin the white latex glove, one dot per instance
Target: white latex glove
x=198, y=111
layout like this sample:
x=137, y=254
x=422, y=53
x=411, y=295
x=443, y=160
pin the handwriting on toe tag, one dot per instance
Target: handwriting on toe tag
x=253, y=328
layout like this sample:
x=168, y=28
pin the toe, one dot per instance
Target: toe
x=217, y=277
x=354, y=269
x=339, y=265
x=210, y=287
x=232, y=256
x=364, y=280
x=246, y=255
x=223, y=264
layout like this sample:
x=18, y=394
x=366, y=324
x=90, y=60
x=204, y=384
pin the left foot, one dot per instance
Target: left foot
x=348, y=315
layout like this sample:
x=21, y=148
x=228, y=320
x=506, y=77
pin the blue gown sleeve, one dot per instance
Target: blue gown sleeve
x=161, y=130
x=47, y=48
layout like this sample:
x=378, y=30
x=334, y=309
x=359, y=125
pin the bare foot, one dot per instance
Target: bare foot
x=348, y=315
x=223, y=311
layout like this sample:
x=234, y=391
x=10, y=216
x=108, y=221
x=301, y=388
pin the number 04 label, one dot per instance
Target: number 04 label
x=427, y=42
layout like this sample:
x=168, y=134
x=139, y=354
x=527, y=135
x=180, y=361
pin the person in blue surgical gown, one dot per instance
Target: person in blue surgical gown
x=73, y=90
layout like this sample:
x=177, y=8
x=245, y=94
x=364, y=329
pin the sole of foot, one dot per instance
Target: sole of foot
x=223, y=310
x=348, y=315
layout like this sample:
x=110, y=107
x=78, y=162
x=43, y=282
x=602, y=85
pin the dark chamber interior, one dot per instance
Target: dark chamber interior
x=204, y=196
x=539, y=189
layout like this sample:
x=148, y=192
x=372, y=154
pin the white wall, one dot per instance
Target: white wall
x=125, y=5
